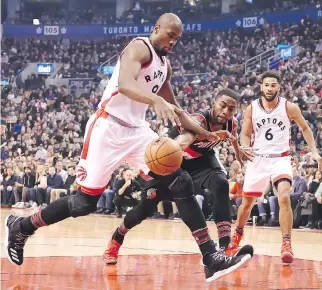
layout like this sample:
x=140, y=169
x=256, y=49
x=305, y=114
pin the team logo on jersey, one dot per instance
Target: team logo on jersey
x=81, y=173
x=151, y=193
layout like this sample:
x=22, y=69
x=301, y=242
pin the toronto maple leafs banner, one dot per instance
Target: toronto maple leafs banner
x=88, y=31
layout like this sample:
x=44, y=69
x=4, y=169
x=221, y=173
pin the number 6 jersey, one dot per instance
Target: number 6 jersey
x=271, y=130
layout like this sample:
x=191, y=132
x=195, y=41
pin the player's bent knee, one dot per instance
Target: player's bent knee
x=82, y=204
x=136, y=215
x=248, y=202
x=284, y=199
x=219, y=183
x=182, y=186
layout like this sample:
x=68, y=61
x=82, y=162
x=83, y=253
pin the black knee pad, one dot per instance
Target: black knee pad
x=82, y=204
x=218, y=183
x=182, y=186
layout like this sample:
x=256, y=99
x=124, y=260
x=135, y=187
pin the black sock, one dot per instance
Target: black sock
x=53, y=213
x=119, y=233
x=193, y=217
x=134, y=217
x=219, y=188
x=224, y=234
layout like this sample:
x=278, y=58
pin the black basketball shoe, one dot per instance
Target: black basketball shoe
x=15, y=240
x=218, y=264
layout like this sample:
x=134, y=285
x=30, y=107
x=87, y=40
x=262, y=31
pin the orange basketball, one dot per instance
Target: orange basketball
x=163, y=156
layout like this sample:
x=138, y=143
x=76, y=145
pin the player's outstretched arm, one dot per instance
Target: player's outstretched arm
x=241, y=151
x=234, y=142
x=247, y=128
x=294, y=113
x=186, y=138
x=187, y=122
x=134, y=56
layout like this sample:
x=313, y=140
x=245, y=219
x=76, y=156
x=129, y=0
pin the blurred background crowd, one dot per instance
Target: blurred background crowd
x=42, y=126
x=103, y=12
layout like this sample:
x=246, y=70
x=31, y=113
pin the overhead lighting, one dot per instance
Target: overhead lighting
x=35, y=22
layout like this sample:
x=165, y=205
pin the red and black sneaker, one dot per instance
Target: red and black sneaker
x=287, y=253
x=112, y=252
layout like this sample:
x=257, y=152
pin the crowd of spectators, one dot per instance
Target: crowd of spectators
x=104, y=12
x=220, y=52
x=44, y=127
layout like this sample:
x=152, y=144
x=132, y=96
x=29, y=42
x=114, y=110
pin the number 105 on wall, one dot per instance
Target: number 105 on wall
x=51, y=30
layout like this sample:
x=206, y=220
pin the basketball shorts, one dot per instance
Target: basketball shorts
x=263, y=170
x=107, y=145
x=202, y=167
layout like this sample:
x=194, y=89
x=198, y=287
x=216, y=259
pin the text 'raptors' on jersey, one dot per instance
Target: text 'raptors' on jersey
x=271, y=130
x=152, y=76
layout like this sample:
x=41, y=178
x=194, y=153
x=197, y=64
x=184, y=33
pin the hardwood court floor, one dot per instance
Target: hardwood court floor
x=156, y=255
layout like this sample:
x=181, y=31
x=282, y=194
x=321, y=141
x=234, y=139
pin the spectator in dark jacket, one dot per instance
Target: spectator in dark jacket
x=299, y=186
x=8, y=185
x=29, y=181
x=68, y=187
x=54, y=181
x=310, y=205
x=125, y=189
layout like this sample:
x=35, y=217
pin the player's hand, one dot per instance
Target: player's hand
x=318, y=159
x=166, y=111
x=127, y=183
x=238, y=154
x=247, y=153
x=220, y=135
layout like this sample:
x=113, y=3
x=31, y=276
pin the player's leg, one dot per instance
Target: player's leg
x=256, y=180
x=217, y=184
x=181, y=186
x=216, y=262
x=285, y=218
x=283, y=182
x=133, y=217
x=243, y=214
x=98, y=161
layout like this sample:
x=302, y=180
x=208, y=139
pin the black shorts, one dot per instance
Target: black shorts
x=200, y=170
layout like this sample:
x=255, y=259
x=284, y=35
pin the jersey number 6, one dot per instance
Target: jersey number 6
x=268, y=135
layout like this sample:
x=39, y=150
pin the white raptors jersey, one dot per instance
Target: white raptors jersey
x=271, y=130
x=151, y=78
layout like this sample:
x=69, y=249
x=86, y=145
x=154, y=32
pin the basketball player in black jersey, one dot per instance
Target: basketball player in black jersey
x=202, y=165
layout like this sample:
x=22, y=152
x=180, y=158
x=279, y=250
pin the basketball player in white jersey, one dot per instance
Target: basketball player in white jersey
x=268, y=119
x=117, y=132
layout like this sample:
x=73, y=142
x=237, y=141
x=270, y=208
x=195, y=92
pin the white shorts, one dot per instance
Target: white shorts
x=263, y=170
x=107, y=145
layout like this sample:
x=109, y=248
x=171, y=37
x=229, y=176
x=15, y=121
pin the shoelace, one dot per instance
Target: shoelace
x=221, y=255
x=287, y=247
x=21, y=240
x=112, y=247
x=236, y=239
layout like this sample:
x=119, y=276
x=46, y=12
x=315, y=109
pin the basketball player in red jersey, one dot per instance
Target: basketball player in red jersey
x=205, y=170
x=268, y=119
x=117, y=132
